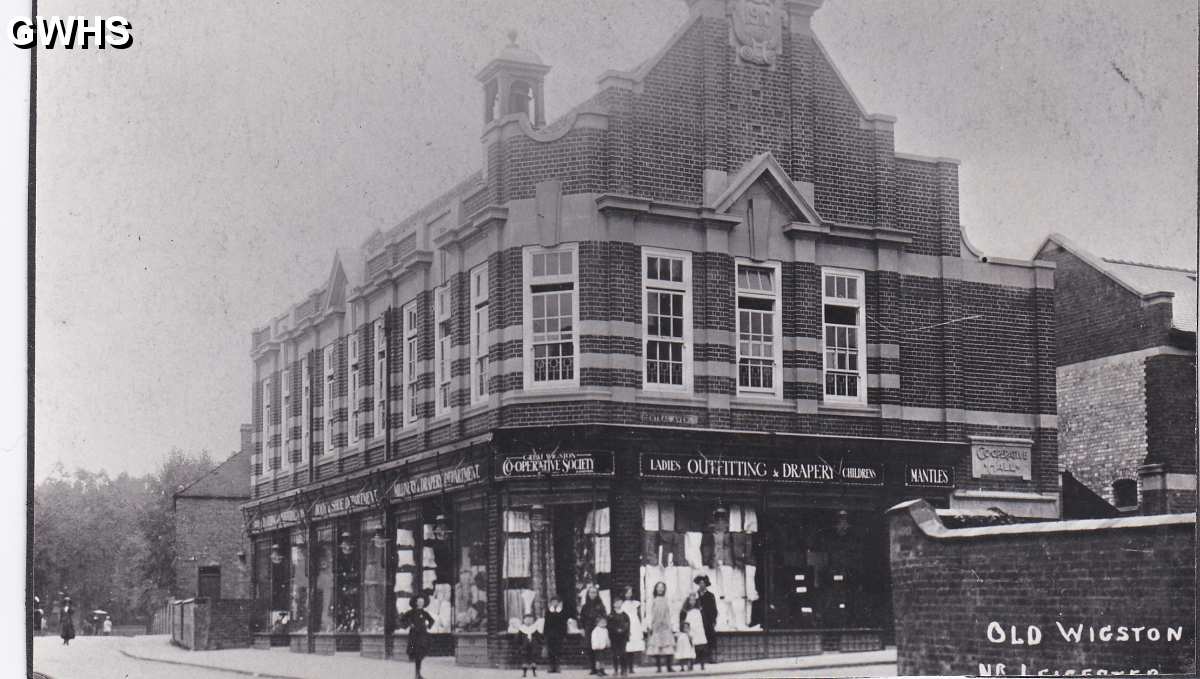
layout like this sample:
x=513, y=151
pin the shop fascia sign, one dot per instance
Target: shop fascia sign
x=346, y=504
x=283, y=518
x=557, y=463
x=929, y=476
x=699, y=466
x=433, y=482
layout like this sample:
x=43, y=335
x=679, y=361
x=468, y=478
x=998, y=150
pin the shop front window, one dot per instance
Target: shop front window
x=828, y=569
x=374, y=575
x=261, y=620
x=470, y=591
x=281, y=583
x=346, y=559
x=322, y=620
x=298, y=605
x=686, y=540
x=555, y=551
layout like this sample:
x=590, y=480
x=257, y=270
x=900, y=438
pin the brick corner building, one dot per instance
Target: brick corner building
x=709, y=322
x=1126, y=354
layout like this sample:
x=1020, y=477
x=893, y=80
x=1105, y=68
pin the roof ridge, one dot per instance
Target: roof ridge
x=1165, y=267
x=208, y=473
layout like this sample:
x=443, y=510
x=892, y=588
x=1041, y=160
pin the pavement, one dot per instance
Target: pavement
x=155, y=656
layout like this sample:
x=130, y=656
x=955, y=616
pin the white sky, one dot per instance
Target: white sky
x=193, y=186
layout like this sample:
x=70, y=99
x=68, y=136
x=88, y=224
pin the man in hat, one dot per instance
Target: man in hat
x=708, y=613
x=66, y=623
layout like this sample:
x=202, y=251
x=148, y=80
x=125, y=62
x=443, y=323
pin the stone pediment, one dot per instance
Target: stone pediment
x=764, y=168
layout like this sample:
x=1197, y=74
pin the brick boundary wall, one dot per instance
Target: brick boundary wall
x=968, y=600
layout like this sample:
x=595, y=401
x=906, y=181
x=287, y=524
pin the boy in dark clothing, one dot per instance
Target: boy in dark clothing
x=555, y=628
x=618, y=635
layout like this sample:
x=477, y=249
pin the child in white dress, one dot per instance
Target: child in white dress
x=685, y=652
x=600, y=642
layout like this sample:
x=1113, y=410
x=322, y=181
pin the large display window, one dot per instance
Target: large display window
x=322, y=611
x=298, y=590
x=261, y=619
x=374, y=575
x=685, y=540
x=550, y=551
x=347, y=595
x=470, y=591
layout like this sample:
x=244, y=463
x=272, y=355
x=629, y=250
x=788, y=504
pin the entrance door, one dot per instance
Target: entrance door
x=208, y=583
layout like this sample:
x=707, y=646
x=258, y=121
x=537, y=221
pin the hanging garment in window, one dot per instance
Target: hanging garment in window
x=651, y=552
x=404, y=583
x=404, y=557
x=516, y=557
x=666, y=516
x=603, y=555
x=513, y=605
x=404, y=537
x=650, y=515
x=427, y=558
x=722, y=549
x=516, y=522
x=597, y=522
x=735, y=518
x=741, y=548
x=751, y=590
x=673, y=548
x=691, y=548
x=750, y=520
x=429, y=579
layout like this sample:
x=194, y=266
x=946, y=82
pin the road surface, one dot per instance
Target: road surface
x=100, y=658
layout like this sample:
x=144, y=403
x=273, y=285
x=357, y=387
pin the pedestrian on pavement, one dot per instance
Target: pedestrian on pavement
x=662, y=640
x=417, y=621
x=66, y=623
x=599, y=644
x=555, y=631
x=637, y=631
x=107, y=626
x=691, y=616
x=529, y=643
x=708, y=611
x=590, y=615
x=618, y=637
x=685, y=651
x=37, y=616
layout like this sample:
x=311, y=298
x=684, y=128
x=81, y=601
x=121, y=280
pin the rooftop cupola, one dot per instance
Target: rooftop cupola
x=512, y=83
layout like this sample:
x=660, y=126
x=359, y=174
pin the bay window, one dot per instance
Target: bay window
x=844, y=335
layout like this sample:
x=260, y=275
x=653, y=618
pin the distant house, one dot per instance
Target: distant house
x=1126, y=353
x=211, y=545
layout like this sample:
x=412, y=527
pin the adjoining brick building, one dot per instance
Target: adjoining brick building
x=1126, y=353
x=708, y=322
x=211, y=549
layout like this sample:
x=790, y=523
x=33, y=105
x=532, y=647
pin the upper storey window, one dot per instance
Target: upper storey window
x=444, y=355
x=285, y=415
x=273, y=458
x=844, y=335
x=330, y=380
x=760, y=354
x=305, y=411
x=411, y=378
x=355, y=383
x=551, y=307
x=381, y=381
x=667, y=329
x=479, y=333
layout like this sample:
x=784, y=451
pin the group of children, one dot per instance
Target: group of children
x=619, y=634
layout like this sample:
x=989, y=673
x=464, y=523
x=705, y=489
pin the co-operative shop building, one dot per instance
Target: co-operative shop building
x=707, y=322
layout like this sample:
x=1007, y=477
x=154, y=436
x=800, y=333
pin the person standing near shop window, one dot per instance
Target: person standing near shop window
x=590, y=615
x=708, y=615
x=692, y=619
x=637, y=632
x=618, y=637
x=66, y=623
x=662, y=641
x=555, y=631
x=417, y=621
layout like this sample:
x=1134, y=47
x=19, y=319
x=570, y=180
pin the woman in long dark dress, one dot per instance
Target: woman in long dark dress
x=66, y=625
x=593, y=609
x=417, y=621
x=708, y=612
